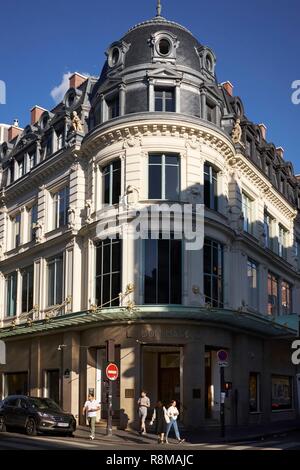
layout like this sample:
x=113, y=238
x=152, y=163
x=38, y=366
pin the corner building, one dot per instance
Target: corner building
x=156, y=126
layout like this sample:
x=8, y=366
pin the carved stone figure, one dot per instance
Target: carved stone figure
x=237, y=133
x=76, y=122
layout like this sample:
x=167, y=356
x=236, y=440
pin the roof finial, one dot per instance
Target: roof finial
x=158, y=8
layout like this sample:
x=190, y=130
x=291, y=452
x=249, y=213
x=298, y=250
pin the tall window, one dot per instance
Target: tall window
x=252, y=272
x=165, y=99
x=282, y=392
x=11, y=295
x=112, y=182
x=61, y=206
x=164, y=176
x=22, y=166
x=108, y=272
x=247, y=212
x=272, y=294
x=27, y=289
x=211, y=112
x=210, y=187
x=113, y=107
x=268, y=231
x=32, y=220
x=282, y=242
x=59, y=139
x=213, y=273
x=286, y=298
x=32, y=159
x=248, y=147
x=163, y=271
x=55, y=280
x=16, y=231
x=254, y=392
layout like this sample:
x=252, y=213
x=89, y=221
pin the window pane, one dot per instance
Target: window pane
x=150, y=271
x=172, y=182
x=176, y=271
x=116, y=186
x=155, y=178
x=106, y=289
x=115, y=289
x=163, y=271
x=282, y=398
x=116, y=256
x=59, y=281
x=106, y=187
x=155, y=159
x=106, y=257
x=51, y=284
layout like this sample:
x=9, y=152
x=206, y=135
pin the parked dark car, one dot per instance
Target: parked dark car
x=35, y=415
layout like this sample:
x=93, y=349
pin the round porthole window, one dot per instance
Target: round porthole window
x=115, y=56
x=164, y=47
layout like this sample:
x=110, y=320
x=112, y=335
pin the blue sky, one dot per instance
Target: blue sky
x=257, y=49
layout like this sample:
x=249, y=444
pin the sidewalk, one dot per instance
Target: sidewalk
x=205, y=435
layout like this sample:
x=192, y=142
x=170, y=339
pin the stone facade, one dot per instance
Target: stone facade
x=56, y=348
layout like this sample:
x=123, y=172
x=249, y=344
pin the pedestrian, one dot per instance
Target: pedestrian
x=173, y=414
x=89, y=410
x=143, y=406
x=161, y=418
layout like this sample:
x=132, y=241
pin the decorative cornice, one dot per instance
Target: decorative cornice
x=245, y=167
x=130, y=134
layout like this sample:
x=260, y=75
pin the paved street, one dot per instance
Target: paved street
x=12, y=441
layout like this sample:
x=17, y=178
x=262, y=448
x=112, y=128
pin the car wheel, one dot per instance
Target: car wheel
x=30, y=427
x=2, y=424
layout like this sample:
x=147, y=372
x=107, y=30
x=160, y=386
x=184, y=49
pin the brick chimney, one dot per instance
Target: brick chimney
x=263, y=130
x=13, y=132
x=228, y=87
x=36, y=113
x=280, y=151
x=76, y=80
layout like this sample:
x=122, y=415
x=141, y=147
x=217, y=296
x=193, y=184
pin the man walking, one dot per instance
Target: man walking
x=89, y=410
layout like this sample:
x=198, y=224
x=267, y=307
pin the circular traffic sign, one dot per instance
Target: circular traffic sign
x=112, y=371
x=222, y=355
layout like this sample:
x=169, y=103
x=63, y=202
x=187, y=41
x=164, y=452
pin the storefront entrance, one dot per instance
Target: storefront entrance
x=161, y=373
x=16, y=384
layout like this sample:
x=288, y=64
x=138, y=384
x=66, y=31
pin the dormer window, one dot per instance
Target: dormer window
x=164, y=99
x=248, y=147
x=113, y=107
x=32, y=159
x=164, y=45
x=22, y=166
x=211, y=112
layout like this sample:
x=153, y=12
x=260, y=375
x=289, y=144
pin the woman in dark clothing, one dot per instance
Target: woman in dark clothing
x=160, y=418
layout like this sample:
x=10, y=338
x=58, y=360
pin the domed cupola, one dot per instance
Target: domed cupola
x=158, y=65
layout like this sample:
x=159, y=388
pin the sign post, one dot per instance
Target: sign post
x=223, y=362
x=112, y=373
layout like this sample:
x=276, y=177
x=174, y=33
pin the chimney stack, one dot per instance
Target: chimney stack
x=36, y=113
x=228, y=87
x=76, y=80
x=13, y=131
x=263, y=130
x=280, y=151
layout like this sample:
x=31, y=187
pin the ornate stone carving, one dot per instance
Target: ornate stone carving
x=76, y=123
x=88, y=211
x=237, y=133
x=71, y=217
x=132, y=195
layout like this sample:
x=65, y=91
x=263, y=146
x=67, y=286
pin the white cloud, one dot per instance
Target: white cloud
x=58, y=92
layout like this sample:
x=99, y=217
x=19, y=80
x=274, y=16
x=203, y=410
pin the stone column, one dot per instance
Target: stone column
x=71, y=362
x=151, y=95
x=130, y=369
x=122, y=91
x=35, y=368
x=193, y=383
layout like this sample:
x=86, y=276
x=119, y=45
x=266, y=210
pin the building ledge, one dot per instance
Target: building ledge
x=229, y=319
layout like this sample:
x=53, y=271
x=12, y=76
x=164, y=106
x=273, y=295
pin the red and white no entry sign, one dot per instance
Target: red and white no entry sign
x=112, y=371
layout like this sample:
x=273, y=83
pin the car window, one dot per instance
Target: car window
x=44, y=404
x=11, y=401
x=23, y=403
